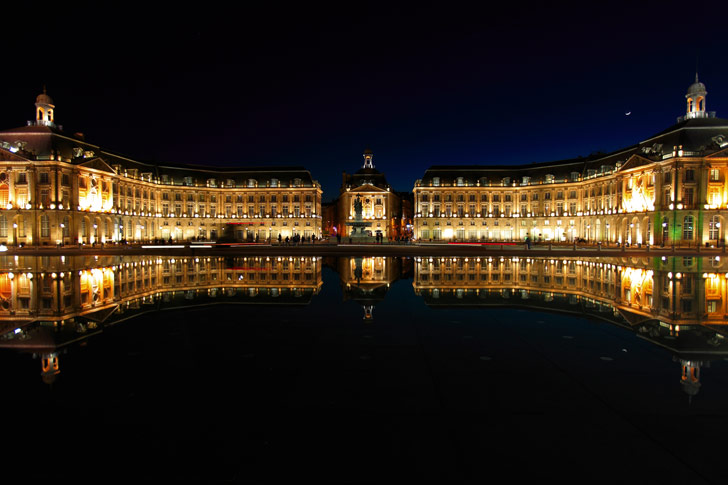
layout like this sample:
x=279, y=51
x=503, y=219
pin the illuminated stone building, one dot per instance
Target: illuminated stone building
x=56, y=188
x=379, y=202
x=669, y=189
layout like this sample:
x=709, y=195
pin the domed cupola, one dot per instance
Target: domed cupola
x=368, y=159
x=696, y=100
x=44, y=109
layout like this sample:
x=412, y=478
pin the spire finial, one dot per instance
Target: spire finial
x=696, y=76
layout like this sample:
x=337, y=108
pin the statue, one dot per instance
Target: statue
x=358, y=222
x=357, y=208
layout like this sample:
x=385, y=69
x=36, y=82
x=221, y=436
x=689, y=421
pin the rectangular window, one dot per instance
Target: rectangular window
x=45, y=227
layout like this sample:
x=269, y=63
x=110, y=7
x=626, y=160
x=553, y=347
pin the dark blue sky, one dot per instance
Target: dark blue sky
x=313, y=85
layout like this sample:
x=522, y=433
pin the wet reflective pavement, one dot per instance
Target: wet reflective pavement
x=364, y=370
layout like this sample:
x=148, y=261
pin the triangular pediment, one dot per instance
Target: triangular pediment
x=368, y=188
x=100, y=316
x=723, y=153
x=633, y=318
x=98, y=163
x=8, y=156
x=635, y=161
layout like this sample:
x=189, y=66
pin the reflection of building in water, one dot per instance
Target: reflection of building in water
x=49, y=302
x=367, y=280
x=677, y=303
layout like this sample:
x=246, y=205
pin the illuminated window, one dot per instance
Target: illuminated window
x=714, y=228
x=688, y=226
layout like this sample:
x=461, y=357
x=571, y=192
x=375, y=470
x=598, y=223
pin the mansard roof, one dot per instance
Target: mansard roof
x=365, y=176
x=39, y=143
x=696, y=137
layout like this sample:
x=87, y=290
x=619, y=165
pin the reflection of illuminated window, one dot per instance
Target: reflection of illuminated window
x=686, y=306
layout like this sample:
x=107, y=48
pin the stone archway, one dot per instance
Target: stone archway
x=647, y=231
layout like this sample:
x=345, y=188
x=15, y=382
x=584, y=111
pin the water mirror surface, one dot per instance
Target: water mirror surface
x=367, y=369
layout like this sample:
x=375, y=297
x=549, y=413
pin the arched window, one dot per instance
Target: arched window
x=688, y=222
x=40, y=114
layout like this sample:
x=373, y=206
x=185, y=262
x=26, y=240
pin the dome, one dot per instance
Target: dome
x=697, y=88
x=367, y=151
x=43, y=98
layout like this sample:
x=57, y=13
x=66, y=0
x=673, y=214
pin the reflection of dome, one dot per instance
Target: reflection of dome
x=50, y=377
x=691, y=388
x=43, y=98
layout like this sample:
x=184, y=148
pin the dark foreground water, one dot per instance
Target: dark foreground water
x=374, y=370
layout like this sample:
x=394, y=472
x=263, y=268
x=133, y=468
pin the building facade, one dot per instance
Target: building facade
x=669, y=189
x=380, y=203
x=58, y=189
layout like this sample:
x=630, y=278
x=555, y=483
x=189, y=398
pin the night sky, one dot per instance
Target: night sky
x=315, y=84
